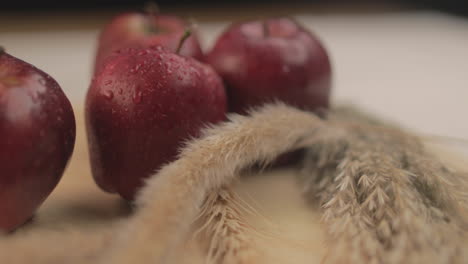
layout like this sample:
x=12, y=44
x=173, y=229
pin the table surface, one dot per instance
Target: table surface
x=406, y=66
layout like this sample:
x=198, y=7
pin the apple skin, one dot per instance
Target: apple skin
x=140, y=30
x=141, y=107
x=275, y=59
x=37, y=137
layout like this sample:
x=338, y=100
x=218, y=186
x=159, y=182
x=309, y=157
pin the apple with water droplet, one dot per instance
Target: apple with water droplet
x=37, y=136
x=274, y=59
x=141, y=107
x=146, y=29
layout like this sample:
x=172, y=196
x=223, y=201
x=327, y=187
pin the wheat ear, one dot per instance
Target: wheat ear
x=384, y=199
x=172, y=198
x=231, y=240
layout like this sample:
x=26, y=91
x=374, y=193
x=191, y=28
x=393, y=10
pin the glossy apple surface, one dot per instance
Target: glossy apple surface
x=275, y=59
x=141, y=107
x=141, y=30
x=37, y=135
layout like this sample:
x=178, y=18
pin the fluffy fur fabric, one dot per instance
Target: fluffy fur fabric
x=383, y=198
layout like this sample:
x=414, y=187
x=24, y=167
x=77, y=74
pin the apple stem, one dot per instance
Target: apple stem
x=266, y=29
x=184, y=37
x=2, y=50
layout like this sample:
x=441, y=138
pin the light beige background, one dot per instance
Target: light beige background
x=408, y=66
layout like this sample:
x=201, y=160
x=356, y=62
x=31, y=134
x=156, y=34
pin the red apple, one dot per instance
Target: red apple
x=261, y=61
x=140, y=108
x=37, y=136
x=145, y=30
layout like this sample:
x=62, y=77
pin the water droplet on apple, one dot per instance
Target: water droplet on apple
x=137, y=97
x=108, y=82
x=42, y=81
x=137, y=67
x=120, y=91
x=108, y=94
x=142, y=52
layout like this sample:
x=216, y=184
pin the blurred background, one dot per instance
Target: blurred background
x=455, y=6
x=404, y=60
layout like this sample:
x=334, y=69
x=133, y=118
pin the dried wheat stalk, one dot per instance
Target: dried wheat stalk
x=171, y=199
x=178, y=190
x=230, y=238
x=384, y=198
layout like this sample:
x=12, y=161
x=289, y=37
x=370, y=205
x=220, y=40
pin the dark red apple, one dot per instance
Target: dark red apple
x=140, y=108
x=261, y=61
x=144, y=30
x=37, y=136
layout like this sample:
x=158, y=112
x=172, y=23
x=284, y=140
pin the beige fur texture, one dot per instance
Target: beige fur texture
x=382, y=196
